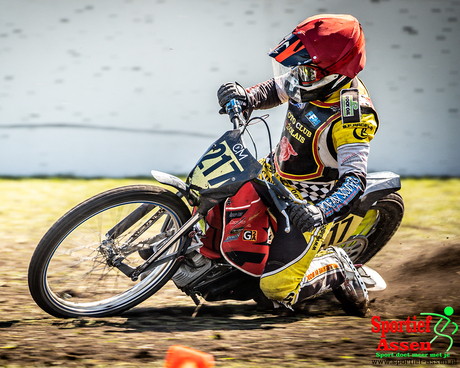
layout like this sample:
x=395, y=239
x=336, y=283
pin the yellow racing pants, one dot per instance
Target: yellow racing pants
x=296, y=268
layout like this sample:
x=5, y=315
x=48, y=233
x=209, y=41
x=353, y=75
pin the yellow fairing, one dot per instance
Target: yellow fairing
x=367, y=223
x=350, y=226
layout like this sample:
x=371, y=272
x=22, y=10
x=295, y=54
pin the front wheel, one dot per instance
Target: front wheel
x=75, y=269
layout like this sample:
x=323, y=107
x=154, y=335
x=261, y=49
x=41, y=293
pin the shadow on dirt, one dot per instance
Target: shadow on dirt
x=444, y=260
x=230, y=317
x=225, y=317
x=8, y=324
x=417, y=282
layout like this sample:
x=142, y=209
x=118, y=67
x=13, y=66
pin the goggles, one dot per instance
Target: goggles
x=304, y=74
x=307, y=74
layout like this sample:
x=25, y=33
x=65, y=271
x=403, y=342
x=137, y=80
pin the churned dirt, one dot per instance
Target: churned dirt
x=422, y=277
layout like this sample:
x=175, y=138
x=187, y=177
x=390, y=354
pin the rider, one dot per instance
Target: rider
x=321, y=157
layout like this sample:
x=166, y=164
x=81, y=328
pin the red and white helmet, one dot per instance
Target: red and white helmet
x=322, y=54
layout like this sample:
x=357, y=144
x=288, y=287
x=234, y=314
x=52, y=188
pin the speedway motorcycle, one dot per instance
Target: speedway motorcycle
x=210, y=235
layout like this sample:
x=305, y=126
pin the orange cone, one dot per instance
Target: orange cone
x=183, y=357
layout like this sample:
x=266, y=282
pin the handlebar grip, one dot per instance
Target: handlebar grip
x=234, y=110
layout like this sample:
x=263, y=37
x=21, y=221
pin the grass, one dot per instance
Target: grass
x=29, y=206
x=431, y=205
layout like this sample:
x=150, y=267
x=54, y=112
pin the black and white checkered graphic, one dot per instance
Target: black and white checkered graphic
x=312, y=191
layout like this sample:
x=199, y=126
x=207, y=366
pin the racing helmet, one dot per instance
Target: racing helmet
x=320, y=56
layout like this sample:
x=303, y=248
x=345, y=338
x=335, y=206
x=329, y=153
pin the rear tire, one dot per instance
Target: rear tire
x=69, y=275
x=390, y=211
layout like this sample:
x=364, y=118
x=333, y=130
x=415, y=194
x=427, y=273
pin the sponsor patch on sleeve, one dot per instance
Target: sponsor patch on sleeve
x=349, y=106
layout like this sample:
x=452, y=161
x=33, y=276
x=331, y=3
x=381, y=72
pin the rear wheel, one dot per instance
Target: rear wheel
x=75, y=270
x=383, y=219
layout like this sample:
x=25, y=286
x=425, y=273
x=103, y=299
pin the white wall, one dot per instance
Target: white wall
x=117, y=88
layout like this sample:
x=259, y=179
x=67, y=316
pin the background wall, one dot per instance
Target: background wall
x=120, y=87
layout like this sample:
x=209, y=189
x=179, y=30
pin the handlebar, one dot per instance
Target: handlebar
x=234, y=110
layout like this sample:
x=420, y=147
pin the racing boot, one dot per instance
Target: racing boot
x=353, y=292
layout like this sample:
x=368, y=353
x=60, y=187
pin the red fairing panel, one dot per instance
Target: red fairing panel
x=246, y=231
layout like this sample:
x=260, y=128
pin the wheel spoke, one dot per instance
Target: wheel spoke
x=80, y=273
x=142, y=229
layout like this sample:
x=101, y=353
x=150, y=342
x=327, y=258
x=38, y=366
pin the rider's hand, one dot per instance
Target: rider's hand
x=305, y=216
x=230, y=91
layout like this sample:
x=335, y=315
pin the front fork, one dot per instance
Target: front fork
x=116, y=260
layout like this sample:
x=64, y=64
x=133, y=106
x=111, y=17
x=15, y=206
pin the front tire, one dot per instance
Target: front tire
x=69, y=273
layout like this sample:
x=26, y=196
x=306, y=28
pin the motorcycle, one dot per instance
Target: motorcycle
x=210, y=235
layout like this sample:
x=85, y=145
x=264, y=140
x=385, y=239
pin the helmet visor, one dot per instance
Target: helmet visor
x=280, y=70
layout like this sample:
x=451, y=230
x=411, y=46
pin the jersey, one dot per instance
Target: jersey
x=324, y=145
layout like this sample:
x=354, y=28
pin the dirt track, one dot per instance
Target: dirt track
x=421, y=277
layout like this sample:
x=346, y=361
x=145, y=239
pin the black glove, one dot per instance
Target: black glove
x=230, y=91
x=305, y=217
